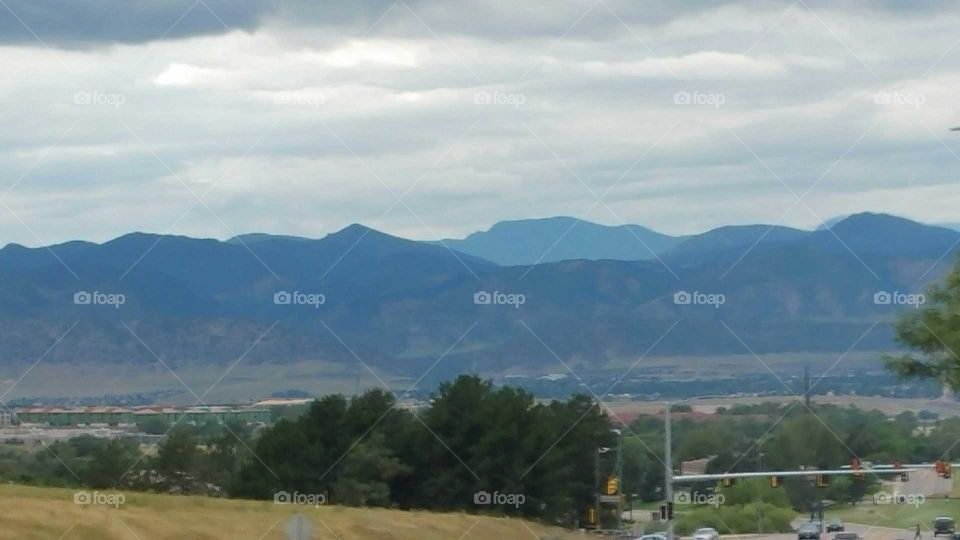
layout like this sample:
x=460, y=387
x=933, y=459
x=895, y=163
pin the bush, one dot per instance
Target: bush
x=736, y=519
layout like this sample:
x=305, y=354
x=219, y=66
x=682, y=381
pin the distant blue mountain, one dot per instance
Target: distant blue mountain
x=400, y=304
x=533, y=241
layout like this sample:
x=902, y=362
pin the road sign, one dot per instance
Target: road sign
x=610, y=499
x=298, y=528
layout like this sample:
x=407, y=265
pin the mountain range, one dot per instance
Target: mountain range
x=360, y=295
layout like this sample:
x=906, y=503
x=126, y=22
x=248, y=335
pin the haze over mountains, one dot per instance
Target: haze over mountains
x=401, y=305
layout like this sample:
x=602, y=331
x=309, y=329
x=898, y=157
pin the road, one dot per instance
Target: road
x=865, y=532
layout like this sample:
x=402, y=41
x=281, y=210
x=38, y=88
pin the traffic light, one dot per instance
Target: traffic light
x=666, y=511
x=728, y=482
x=947, y=470
x=612, y=485
x=904, y=477
x=776, y=481
x=855, y=466
x=823, y=481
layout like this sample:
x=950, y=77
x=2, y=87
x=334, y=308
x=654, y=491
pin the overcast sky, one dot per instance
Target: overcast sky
x=432, y=119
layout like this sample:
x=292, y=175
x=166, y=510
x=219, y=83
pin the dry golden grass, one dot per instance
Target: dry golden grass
x=45, y=513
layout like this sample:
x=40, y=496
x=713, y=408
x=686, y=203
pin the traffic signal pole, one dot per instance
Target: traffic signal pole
x=668, y=468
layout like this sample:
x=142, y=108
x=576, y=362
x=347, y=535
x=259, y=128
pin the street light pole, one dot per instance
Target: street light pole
x=619, y=479
x=668, y=468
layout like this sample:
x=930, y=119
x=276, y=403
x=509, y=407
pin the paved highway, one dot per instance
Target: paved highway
x=865, y=532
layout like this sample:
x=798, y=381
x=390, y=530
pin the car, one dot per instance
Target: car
x=943, y=525
x=808, y=531
x=653, y=537
x=835, y=526
x=846, y=536
x=706, y=533
x=818, y=523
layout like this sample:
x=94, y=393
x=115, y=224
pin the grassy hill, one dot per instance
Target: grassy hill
x=45, y=513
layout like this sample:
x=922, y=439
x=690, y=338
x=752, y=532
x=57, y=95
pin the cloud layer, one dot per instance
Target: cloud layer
x=434, y=119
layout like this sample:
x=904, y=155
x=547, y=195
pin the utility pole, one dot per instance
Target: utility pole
x=619, y=479
x=668, y=468
x=596, y=484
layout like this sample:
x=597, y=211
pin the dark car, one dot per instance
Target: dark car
x=943, y=525
x=835, y=526
x=808, y=531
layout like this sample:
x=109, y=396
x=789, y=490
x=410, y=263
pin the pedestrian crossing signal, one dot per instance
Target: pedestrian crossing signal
x=776, y=481
x=823, y=481
x=612, y=486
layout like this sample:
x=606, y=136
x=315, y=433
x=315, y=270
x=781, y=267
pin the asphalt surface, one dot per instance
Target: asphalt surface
x=866, y=533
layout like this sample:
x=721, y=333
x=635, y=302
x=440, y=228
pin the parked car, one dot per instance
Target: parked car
x=943, y=525
x=706, y=533
x=808, y=531
x=835, y=526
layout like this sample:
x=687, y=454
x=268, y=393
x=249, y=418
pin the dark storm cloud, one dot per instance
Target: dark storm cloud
x=91, y=23
x=70, y=23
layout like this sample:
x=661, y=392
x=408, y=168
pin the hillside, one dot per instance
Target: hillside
x=534, y=241
x=399, y=305
x=44, y=513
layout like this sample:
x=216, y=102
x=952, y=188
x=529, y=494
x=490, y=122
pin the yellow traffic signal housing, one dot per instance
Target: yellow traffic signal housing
x=776, y=481
x=823, y=481
x=612, y=485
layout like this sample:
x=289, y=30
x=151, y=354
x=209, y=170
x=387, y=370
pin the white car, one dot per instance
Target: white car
x=706, y=533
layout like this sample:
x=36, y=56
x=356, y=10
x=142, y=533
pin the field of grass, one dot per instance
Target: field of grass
x=45, y=513
x=903, y=516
